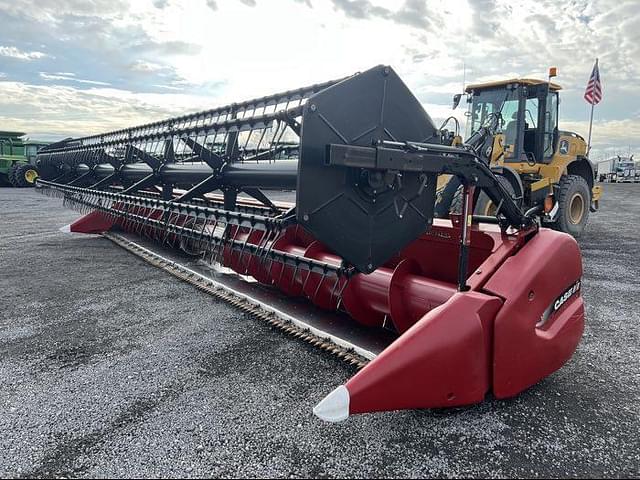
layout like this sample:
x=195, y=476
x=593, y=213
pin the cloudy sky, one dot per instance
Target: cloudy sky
x=76, y=67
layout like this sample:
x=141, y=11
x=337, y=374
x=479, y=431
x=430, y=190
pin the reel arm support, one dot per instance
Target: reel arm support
x=437, y=159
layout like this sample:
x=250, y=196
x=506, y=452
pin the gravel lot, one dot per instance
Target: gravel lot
x=112, y=368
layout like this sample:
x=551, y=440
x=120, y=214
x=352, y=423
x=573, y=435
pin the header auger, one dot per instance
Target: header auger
x=437, y=311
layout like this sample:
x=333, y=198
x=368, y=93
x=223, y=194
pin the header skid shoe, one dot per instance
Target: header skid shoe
x=436, y=312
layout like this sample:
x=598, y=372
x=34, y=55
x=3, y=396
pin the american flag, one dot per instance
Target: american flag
x=593, y=93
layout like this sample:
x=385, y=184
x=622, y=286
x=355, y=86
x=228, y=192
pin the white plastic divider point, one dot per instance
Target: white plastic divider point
x=334, y=407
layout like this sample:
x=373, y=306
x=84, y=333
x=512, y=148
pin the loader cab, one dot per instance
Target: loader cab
x=528, y=118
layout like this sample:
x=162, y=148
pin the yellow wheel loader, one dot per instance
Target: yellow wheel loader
x=544, y=168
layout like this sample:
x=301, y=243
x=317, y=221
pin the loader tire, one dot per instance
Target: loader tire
x=11, y=174
x=574, y=200
x=484, y=205
x=25, y=175
x=450, y=199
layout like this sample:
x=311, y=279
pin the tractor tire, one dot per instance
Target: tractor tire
x=4, y=180
x=574, y=200
x=11, y=174
x=25, y=175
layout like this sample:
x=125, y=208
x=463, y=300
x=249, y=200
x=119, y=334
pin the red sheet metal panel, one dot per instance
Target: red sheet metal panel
x=442, y=361
x=542, y=320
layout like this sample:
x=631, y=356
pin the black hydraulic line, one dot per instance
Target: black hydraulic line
x=486, y=219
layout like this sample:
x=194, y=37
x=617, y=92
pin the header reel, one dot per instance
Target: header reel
x=361, y=238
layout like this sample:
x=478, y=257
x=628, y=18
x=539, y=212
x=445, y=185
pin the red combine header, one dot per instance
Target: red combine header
x=437, y=312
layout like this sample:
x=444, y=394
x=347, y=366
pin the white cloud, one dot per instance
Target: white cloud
x=167, y=87
x=62, y=111
x=608, y=136
x=69, y=77
x=13, y=52
x=142, y=66
x=186, y=46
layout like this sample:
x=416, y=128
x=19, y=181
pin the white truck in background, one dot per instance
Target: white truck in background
x=619, y=169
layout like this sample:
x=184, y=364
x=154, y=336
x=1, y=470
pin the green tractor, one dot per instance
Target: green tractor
x=16, y=159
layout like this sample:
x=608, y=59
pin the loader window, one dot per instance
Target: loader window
x=531, y=113
x=530, y=125
x=480, y=114
x=487, y=102
x=551, y=123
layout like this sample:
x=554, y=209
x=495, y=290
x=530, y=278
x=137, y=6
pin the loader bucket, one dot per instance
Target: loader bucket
x=434, y=312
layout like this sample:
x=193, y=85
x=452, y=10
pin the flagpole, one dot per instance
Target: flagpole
x=590, y=125
x=591, y=118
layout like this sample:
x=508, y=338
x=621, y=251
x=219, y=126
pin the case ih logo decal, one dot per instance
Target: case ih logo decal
x=566, y=296
x=561, y=300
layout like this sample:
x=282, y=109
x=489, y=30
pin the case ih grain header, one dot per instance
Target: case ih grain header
x=437, y=312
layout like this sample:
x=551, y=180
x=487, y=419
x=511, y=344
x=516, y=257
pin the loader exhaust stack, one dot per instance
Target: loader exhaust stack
x=438, y=312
